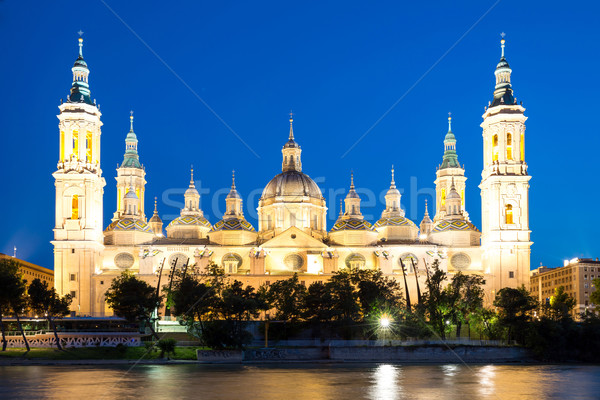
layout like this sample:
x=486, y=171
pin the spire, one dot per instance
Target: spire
x=233, y=193
x=155, y=206
x=341, y=207
x=392, y=201
x=503, y=93
x=291, y=152
x=450, y=159
x=426, y=224
x=192, y=177
x=155, y=222
x=393, y=183
x=80, y=89
x=131, y=159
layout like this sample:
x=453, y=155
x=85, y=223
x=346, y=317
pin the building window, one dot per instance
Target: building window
x=76, y=144
x=509, y=214
x=72, y=277
x=509, y=146
x=522, y=147
x=495, y=148
x=443, y=196
x=75, y=207
x=88, y=147
x=62, y=146
x=102, y=282
x=73, y=294
x=511, y=274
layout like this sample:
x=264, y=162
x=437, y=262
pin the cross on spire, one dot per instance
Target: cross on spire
x=502, y=41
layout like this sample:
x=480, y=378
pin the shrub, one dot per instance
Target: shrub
x=166, y=346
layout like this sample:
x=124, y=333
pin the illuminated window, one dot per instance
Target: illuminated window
x=76, y=144
x=509, y=146
x=88, y=147
x=62, y=145
x=462, y=196
x=495, y=148
x=509, y=214
x=75, y=207
x=522, y=147
x=443, y=197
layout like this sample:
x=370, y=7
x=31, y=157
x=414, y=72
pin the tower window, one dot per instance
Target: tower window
x=495, y=148
x=511, y=274
x=73, y=294
x=509, y=214
x=75, y=207
x=88, y=147
x=509, y=154
x=76, y=144
x=62, y=146
x=443, y=200
x=522, y=147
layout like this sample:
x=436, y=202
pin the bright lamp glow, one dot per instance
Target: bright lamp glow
x=384, y=322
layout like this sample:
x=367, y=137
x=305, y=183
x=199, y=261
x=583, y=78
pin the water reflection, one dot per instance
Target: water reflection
x=385, y=382
x=302, y=381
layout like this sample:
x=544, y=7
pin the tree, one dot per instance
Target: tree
x=515, y=307
x=561, y=305
x=13, y=296
x=45, y=301
x=465, y=295
x=288, y=298
x=437, y=301
x=133, y=299
x=375, y=291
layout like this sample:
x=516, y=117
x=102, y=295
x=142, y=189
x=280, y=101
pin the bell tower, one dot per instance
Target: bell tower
x=505, y=187
x=78, y=238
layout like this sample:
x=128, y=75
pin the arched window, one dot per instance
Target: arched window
x=62, y=146
x=88, y=147
x=443, y=199
x=495, y=148
x=509, y=153
x=508, y=214
x=522, y=147
x=76, y=144
x=75, y=207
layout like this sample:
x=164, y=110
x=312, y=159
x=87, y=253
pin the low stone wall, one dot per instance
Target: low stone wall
x=220, y=356
x=408, y=354
x=47, y=340
x=436, y=354
x=287, y=354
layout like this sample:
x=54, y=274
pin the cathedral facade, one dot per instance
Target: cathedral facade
x=292, y=234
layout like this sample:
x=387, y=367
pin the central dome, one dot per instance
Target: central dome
x=293, y=184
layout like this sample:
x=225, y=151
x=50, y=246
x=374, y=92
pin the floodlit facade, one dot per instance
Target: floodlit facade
x=576, y=276
x=292, y=234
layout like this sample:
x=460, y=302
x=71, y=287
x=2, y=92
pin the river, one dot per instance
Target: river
x=301, y=381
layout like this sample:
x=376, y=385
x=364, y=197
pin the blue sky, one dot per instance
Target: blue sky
x=339, y=65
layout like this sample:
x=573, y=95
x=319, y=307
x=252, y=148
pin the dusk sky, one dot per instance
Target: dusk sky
x=370, y=85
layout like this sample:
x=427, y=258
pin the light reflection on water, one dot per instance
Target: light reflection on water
x=301, y=381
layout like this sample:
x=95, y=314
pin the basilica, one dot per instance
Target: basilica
x=292, y=234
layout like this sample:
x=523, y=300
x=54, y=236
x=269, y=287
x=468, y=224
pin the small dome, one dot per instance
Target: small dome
x=190, y=220
x=191, y=191
x=394, y=221
x=454, y=225
x=80, y=62
x=233, y=194
x=128, y=224
x=233, y=224
x=131, y=195
x=352, y=224
x=292, y=183
x=155, y=218
x=453, y=194
x=502, y=64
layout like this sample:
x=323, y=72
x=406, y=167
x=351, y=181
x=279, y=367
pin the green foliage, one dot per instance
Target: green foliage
x=595, y=295
x=132, y=298
x=166, y=347
x=287, y=296
x=516, y=307
x=560, y=306
x=13, y=296
x=45, y=301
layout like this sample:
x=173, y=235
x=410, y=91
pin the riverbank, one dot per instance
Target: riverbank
x=365, y=354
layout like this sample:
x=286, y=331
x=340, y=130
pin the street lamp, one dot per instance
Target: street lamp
x=384, y=322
